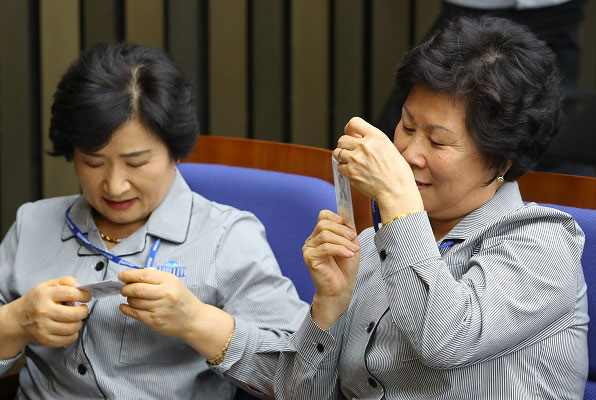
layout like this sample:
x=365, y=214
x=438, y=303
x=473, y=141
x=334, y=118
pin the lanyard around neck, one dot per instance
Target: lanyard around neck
x=111, y=257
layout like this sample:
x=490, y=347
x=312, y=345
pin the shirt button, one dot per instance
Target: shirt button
x=99, y=266
x=82, y=369
x=370, y=327
x=320, y=348
x=383, y=255
x=372, y=383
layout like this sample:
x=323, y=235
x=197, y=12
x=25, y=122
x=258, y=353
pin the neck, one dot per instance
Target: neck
x=442, y=227
x=115, y=230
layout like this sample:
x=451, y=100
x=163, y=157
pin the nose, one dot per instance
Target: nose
x=116, y=182
x=413, y=151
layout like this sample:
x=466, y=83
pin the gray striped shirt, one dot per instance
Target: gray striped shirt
x=228, y=264
x=502, y=314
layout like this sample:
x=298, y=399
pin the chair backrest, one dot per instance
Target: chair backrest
x=273, y=156
x=288, y=206
x=586, y=219
x=566, y=190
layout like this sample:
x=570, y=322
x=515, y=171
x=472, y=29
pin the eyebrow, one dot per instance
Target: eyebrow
x=429, y=126
x=125, y=155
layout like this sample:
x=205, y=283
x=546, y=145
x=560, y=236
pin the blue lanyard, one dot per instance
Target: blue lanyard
x=377, y=224
x=446, y=244
x=77, y=232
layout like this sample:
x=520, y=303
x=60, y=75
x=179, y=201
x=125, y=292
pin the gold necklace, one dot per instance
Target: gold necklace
x=110, y=239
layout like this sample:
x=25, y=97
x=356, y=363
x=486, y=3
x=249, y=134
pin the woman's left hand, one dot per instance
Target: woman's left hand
x=375, y=167
x=160, y=300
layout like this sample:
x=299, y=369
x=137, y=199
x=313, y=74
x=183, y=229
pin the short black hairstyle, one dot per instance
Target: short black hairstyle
x=111, y=84
x=506, y=78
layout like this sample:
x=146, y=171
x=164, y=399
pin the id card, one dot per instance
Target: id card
x=99, y=290
x=343, y=195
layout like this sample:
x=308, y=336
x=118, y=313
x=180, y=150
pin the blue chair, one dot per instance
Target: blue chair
x=586, y=219
x=287, y=204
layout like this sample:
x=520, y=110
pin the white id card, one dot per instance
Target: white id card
x=343, y=195
x=99, y=290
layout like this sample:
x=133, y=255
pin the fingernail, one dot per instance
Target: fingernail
x=339, y=219
x=355, y=247
x=350, y=253
x=350, y=233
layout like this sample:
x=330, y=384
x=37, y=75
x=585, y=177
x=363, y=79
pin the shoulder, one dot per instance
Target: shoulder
x=546, y=229
x=537, y=220
x=210, y=215
x=46, y=210
x=43, y=218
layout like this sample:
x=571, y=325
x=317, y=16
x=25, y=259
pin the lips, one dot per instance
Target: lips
x=422, y=185
x=120, y=205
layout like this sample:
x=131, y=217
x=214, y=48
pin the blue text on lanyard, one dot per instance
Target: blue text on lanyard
x=77, y=232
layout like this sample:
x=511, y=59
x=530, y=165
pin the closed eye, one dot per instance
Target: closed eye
x=407, y=129
x=138, y=164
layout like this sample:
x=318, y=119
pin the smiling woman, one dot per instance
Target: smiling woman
x=209, y=311
x=465, y=291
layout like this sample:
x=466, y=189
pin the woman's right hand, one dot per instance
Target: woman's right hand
x=332, y=255
x=41, y=316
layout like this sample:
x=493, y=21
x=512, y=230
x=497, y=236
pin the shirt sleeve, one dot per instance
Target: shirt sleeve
x=263, y=302
x=309, y=368
x=8, y=250
x=520, y=286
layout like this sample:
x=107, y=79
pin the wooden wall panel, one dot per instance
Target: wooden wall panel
x=349, y=60
x=427, y=12
x=59, y=35
x=228, y=108
x=389, y=42
x=101, y=22
x=187, y=44
x=280, y=70
x=19, y=127
x=144, y=22
x=268, y=74
x=310, y=72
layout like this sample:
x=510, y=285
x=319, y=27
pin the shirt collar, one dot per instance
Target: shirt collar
x=506, y=199
x=169, y=221
x=80, y=214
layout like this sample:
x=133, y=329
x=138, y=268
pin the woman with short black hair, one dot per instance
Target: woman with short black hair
x=206, y=305
x=464, y=291
x=108, y=85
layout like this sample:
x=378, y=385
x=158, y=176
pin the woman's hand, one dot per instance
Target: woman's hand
x=332, y=255
x=41, y=316
x=375, y=167
x=160, y=300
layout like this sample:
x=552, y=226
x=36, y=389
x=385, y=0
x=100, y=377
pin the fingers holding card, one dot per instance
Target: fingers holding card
x=343, y=195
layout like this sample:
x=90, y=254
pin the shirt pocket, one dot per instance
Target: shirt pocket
x=141, y=345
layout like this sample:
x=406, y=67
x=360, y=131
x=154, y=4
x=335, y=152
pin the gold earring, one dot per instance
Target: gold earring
x=500, y=179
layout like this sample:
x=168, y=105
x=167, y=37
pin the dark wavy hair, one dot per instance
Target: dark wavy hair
x=110, y=84
x=507, y=80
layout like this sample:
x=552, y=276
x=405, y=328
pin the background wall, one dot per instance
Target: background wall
x=281, y=70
